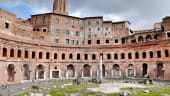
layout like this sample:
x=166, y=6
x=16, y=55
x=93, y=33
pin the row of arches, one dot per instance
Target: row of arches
x=86, y=71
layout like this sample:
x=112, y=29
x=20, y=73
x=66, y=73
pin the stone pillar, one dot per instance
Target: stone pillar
x=100, y=69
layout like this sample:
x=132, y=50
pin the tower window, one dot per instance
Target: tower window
x=6, y=25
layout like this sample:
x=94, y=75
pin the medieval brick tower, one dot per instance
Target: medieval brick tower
x=60, y=7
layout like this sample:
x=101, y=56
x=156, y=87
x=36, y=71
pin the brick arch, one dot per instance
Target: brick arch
x=11, y=72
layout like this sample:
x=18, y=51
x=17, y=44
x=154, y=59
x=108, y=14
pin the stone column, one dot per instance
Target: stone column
x=100, y=69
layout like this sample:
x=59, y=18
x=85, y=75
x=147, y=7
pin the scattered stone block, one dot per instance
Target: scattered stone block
x=146, y=91
x=124, y=93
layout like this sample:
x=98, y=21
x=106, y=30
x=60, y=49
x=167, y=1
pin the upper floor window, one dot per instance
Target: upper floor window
x=55, y=55
x=19, y=54
x=115, y=56
x=47, y=55
x=26, y=54
x=107, y=28
x=12, y=53
x=129, y=56
x=77, y=21
x=36, y=21
x=159, y=54
x=116, y=41
x=67, y=41
x=89, y=23
x=108, y=56
x=77, y=33
x=89, y=42
x=151, y=54
x=57, y=31
x=144, y=54
x=166, y=53
x=33, y=54
x=93, y=56
x=86, y=56
x=72, y=21
x=44, y=30
x=168, y=34
x=72, y=41
x=63, y=56
x=97, y=22
x=6, y=25
x=57, y=21
x=122, y=56
x=72, y=33
x=71, y=56
x=137, y=55
x=107, y=41
x=78, y=56
x=4, y=54
x=77, y=42
x=82, y=22
x=44, y=20
x=68, y=32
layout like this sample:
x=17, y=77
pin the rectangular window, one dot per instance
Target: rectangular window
x=89, y=23
x=57, y=21
x=98, y=41
x=81, y=34
x=168, y=34
x=78, y=56
x=77, y=42
x=68, y=32
x=36, y=21
x=159, y=54
x=44, y=30
x=89, y=42
x=67, y=41
x=77, y=22
x=82, y=22
x=56, y=40
x=72, y=41
x=77, y=34
x=57, y=31
x=72, y=33
x=6, y=25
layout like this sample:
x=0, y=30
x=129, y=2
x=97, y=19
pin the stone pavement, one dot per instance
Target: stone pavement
x=20, y=88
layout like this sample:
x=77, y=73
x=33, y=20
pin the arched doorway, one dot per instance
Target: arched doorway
x=131, y=71
x=40, y=72
x=11, y=73
x=70, y=71
x=160, y=70
x=116, y=71
x=26, y=72
x=103, y=70
x=145, y=70
x=86, y=70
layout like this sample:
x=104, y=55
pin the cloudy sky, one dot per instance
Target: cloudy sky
x=141, y=13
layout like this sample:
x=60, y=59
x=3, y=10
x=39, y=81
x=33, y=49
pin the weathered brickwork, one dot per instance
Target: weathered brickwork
x=58, y=46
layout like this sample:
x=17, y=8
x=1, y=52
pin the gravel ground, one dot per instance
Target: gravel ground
x=109, y=88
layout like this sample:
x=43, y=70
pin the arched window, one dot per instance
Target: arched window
x=4, y=53
x=122, y=56
x=108, y=56
x=115, y=56
x=63, y=56
x=55, y=55
x=70, y=56
x=137, y=55
x=151, y=54
x=26, y=54
x=156, y=37
x=12, y=53
x=144, y=54
x=40, y=55
x=129, y=55
x=33, y=54
x=86, y=56
x=47, y=55
x=19, y=54
x=93, y=56
x=159, y=54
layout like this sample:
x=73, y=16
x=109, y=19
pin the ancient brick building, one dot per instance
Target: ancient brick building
x=58, y=46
